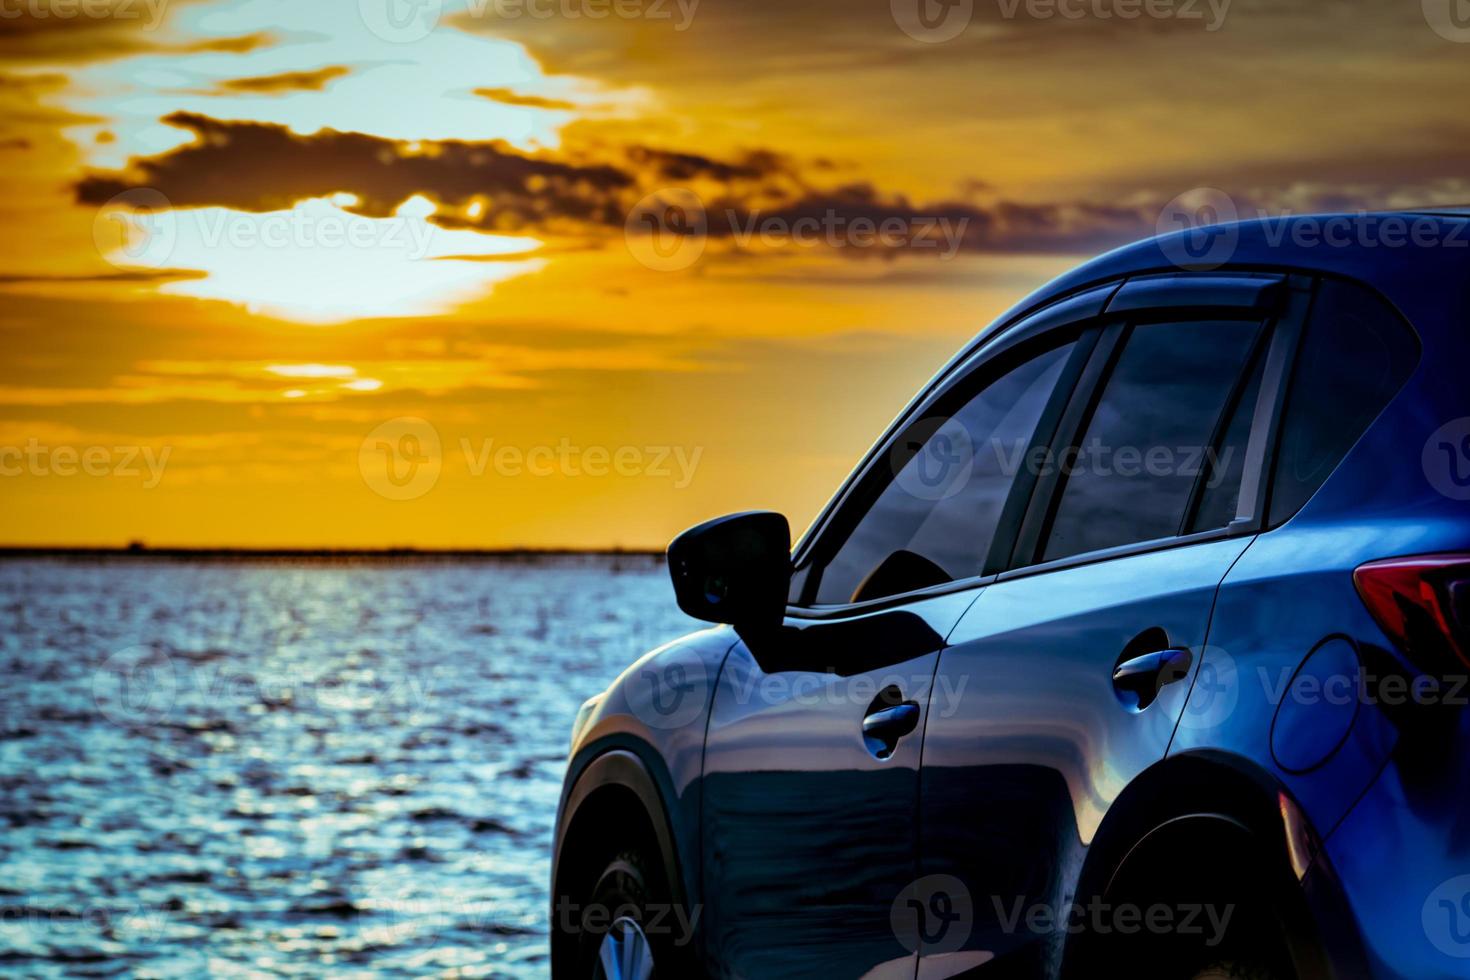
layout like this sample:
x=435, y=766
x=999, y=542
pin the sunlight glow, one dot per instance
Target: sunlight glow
x=312, y=370
x=317, y=263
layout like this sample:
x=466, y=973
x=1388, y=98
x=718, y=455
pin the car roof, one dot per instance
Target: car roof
x=1419, y=260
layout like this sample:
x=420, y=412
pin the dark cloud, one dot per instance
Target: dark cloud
x=507, y=96
x=239, y=44
x=31, y=83
x=761, y=197
x=260, y=167
x=263, y=167
x=684, y=167
x=102, y=30
x=289, y=81
x=151, y=275
x=887, y=223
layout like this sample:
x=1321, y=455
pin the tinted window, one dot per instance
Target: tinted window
x=1354, y=356
x=935, y=520
x=1142, y=449
x=1224, y=466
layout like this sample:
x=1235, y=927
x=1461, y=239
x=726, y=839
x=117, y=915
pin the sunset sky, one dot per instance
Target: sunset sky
x=361, y=273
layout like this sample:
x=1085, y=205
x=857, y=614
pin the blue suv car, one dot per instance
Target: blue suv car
x=1136, y=646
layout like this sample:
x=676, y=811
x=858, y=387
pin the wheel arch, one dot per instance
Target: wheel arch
x=1212, y=799
x=613, y=789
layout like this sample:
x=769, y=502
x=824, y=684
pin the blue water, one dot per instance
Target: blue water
x=296, y=768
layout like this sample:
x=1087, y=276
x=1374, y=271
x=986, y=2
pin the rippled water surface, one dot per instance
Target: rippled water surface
x=300, y=769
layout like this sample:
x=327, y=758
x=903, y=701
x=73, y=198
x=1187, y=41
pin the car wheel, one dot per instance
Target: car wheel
x=627, y=936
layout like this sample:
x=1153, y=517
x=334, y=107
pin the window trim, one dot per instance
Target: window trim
x=1252, y=508
x=842, y=610
x=1118, y=551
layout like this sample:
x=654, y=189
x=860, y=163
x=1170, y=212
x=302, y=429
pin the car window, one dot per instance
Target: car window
x=1223, y=467
x=935, y=519
x=1354, y=356
x=1136, y=463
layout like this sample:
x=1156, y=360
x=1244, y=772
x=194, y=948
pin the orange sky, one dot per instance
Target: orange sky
x=481, y=273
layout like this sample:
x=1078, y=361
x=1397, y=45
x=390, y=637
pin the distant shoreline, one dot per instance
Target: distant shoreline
x=325, y=554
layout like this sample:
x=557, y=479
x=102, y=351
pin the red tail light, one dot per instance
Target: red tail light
x=1423, y=604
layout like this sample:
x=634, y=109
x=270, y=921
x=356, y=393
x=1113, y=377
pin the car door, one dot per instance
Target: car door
x=1075, y=663
x=813, y=747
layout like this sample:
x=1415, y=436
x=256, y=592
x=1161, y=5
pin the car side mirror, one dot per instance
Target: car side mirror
x=734, y=569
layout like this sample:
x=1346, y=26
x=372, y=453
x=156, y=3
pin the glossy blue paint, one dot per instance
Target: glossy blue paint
x=1022, y=765
x=790, y=788
x=1029, y=778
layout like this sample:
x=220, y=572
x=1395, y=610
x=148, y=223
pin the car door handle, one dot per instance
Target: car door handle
x=883, y=728
x=1139, y=679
